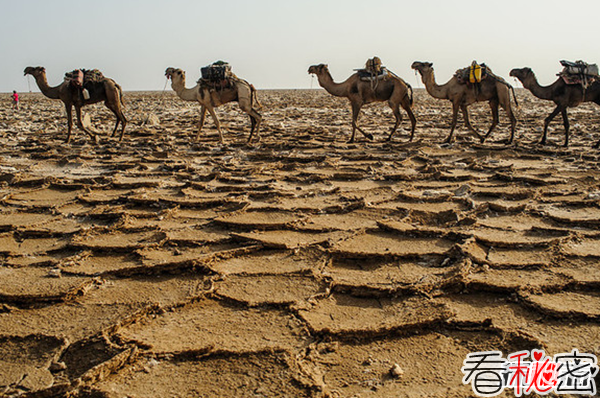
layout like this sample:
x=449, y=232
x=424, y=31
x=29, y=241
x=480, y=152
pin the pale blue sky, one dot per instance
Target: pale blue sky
x=272, y=43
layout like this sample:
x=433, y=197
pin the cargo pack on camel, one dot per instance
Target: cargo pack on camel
x=373, y=71
x=84, y=80
x=217, y=75
x=579, y=72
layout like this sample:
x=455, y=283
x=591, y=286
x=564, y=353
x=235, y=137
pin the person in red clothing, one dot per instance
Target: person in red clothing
x=15, y=100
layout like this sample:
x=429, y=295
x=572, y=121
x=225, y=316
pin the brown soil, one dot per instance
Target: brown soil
x=302, y=266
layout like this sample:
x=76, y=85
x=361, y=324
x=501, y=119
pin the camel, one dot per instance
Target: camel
x=107, y=90
x=562, y=94
x=242, y=92
x=392, y=89
x=493, y=89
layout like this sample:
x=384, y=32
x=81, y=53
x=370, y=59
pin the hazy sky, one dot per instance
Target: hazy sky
x=272, y=43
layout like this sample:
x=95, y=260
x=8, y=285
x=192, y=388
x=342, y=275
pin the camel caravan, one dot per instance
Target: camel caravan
x=578, y=82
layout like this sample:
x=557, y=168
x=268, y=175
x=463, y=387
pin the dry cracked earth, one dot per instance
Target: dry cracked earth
x=302, y=266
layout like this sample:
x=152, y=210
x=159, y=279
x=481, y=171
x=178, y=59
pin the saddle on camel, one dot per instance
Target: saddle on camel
x=579, y=73
x=84, y=80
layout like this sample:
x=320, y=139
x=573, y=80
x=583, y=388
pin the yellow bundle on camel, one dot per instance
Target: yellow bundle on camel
x=473, y=74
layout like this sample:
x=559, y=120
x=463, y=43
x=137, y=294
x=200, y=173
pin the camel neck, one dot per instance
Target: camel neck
x=434, y=89
x=50, y=92
x=542, y=92
x=333, y=88
x=186, y=94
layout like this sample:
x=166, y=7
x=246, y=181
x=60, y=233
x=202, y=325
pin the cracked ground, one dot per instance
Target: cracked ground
x=302, y=266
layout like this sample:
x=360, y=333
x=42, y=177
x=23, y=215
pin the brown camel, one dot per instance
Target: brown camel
x=492, y=89
x=562, y=94
x=106, y=90
x=241, y=92
x=392, y=89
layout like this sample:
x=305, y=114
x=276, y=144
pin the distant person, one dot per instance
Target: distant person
x=15, y=100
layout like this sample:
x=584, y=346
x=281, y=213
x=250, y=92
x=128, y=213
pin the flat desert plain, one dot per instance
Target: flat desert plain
x=301, y=266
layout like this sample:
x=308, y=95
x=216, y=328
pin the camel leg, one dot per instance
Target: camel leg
x=255, y=118
x=397, y=115
x=513, y=122
x=455, y=107
x=413, y=120
x=202, y=118
x=547, y=123
x=113, y=102
x=505, y=104
x=123, y=124
x=217, y=123
x=468, y=124
x=82, y=127
x=355, y=113
x=116, y=110
x=566, y=124
x=116, y=126
x=69, y=109
x=495, y=119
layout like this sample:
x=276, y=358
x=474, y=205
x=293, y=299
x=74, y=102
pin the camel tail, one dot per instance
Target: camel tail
x=120, y=95
x=254, y=97
x=410, y=97
x=514, y=96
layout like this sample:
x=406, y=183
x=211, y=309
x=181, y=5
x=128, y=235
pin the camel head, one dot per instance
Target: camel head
x=422, y=67
x=34, y=71
x=521, y=73
x=175, y=73
x=318, y=69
